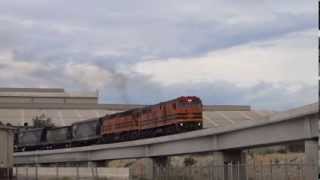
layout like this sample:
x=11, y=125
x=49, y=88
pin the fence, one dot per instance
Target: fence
x=69, y=173
x=213, y=172
x=235, y=172
x=5, y=173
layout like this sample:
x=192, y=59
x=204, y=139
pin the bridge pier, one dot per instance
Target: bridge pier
x=311, y=159
x=234, y=164
x=155, y=167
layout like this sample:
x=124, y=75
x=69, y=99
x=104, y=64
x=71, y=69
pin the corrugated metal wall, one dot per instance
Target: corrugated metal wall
x=6, y=148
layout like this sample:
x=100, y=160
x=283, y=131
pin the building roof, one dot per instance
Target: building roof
x=21, y=97
x=54, y=90
x=49, y=94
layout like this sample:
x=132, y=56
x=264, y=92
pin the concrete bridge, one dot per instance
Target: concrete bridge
x=300, y=124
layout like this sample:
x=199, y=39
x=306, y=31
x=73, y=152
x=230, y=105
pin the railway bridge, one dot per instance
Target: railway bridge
x=226, y=144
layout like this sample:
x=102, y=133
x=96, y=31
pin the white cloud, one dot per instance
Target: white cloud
x=292, y=58
x=144, y=50
x=89, y=75
x=11, y=68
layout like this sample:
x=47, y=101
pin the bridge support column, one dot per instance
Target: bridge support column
x=218, y=165
x=311, y=159
x=230, y=164
x=155, y=167
x=148, y=172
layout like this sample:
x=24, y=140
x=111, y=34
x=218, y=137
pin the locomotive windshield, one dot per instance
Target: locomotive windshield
x=189, y=102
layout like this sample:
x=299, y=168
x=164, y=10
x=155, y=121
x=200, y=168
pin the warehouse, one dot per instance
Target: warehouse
x=6, y=151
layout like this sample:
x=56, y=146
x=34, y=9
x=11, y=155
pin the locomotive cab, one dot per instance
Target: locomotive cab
x=189, y=112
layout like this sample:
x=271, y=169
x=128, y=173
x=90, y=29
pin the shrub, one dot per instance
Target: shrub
x=189, y=161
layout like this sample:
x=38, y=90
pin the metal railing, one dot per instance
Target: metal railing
x=234, y=172
x=69, y=173
x=213, y=172
x=6, y=173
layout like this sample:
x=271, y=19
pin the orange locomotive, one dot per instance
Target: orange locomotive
x=178, y=115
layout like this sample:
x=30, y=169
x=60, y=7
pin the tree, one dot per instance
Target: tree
x=42, y=121
x=189, y=161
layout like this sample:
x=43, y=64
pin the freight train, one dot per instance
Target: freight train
x=179, y=115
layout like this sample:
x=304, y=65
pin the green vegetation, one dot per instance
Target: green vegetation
x=189, y=161
x=42, y=121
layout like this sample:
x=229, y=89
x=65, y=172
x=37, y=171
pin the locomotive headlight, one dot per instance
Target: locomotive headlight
x=199, y=124
x=181, y=124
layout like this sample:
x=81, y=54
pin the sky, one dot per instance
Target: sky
x=259, y=53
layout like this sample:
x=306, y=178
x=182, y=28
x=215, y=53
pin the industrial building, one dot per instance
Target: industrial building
x=20, y=105
x=6, y=151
